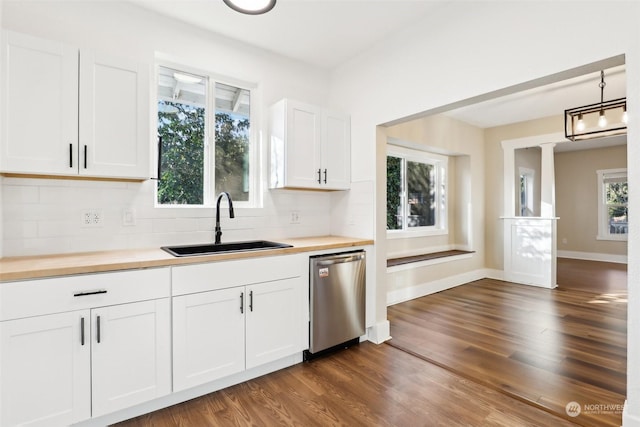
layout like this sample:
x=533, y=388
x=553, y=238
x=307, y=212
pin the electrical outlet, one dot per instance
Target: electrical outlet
x=91, y=218
x=295, y=217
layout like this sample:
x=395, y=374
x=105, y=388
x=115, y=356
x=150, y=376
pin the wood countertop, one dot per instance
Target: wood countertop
x=32, y=267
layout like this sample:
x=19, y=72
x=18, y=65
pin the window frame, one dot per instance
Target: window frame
x=209, y=198
x=603, y=216
x=441, y=172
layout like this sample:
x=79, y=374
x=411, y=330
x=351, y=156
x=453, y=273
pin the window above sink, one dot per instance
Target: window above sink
x=206, y=144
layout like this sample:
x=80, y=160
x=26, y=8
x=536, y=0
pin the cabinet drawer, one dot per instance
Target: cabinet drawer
x=68, y=293
x=226, y=274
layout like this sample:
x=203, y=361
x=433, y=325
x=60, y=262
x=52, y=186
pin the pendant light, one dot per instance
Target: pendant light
x=251, y=7
x=592, y=121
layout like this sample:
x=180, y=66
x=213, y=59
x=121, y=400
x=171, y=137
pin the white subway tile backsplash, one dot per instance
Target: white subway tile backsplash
x=42, y=216
x=20, y=230
x=20, y=195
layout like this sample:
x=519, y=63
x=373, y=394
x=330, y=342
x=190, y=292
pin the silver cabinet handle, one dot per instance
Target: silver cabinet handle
x=70, y=155
x=250, y=300
x=98, y=329
x=319, y=177
x=85, y=156
x=325, y=176
x=241, y=302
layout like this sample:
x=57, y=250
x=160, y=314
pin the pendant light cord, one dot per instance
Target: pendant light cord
x=602, y=85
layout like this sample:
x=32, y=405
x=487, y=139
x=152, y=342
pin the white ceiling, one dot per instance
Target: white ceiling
x=544, y=101
x=326, y=33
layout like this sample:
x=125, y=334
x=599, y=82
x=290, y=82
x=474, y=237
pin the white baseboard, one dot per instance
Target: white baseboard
x=491, y=273
x=593, y=256
x=417, y=291
x=380, y=332
x=629, y=420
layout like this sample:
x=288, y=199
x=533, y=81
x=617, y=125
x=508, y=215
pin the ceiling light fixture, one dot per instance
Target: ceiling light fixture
x=590, y=121
x=251, y=7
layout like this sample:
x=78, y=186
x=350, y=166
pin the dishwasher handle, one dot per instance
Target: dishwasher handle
x=339, y=259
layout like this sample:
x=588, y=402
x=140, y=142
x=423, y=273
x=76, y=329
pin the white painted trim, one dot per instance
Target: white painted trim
x=380, y=332
x=593, y=256
x=535, y=140
x=427, y=262
x=494, y=274
x=417, y=291
x=629, y=420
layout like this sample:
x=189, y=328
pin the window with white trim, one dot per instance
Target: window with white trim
x=613, y=211
x=416, y=192
x=205, y=141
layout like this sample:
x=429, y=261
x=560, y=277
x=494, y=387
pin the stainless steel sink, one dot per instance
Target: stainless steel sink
x=211, y=248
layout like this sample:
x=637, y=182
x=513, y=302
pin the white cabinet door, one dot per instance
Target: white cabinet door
x=310, y=147
x=70, y=112
x=39, y=106
x=336, y=151
x=274, y=321
x=303, y=143
x=208, y=336
x=45, y=370
x=114, y=112
x=131, y=354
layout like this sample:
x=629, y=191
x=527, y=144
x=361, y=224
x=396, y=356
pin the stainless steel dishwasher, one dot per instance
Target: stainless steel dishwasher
x=337, y=301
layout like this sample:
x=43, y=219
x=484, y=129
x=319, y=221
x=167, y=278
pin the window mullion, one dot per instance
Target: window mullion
x=404, y=198
x=209, y=150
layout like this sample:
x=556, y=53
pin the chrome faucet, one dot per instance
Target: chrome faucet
x=231, y=215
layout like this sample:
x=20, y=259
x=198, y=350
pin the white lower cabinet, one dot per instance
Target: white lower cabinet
x=130, y=354
x=109, y=349
x=273, y=321
x=46, y=372
x=74, y=348
x=222, y=332
x=208, y=337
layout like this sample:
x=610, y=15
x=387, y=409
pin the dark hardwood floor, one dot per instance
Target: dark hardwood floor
x=367, y=385
x=540, y=346
x=590, y=276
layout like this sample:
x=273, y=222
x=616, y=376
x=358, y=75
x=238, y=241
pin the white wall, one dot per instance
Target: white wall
x=43, y=216
x=466, y=49
x=1, y=221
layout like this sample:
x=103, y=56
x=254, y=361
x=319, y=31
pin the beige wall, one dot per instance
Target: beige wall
x=494, y=165
x=577, y=198
x=466, y=199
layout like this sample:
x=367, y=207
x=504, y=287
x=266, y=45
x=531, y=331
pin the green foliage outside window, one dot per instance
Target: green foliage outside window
x=182, y=129
x=232, y=156
x=394, y=190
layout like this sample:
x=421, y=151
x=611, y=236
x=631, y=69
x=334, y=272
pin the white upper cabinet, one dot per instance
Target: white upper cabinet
x=114, y=116
x=73, y=112
x=310, y=147
x=40, y=106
